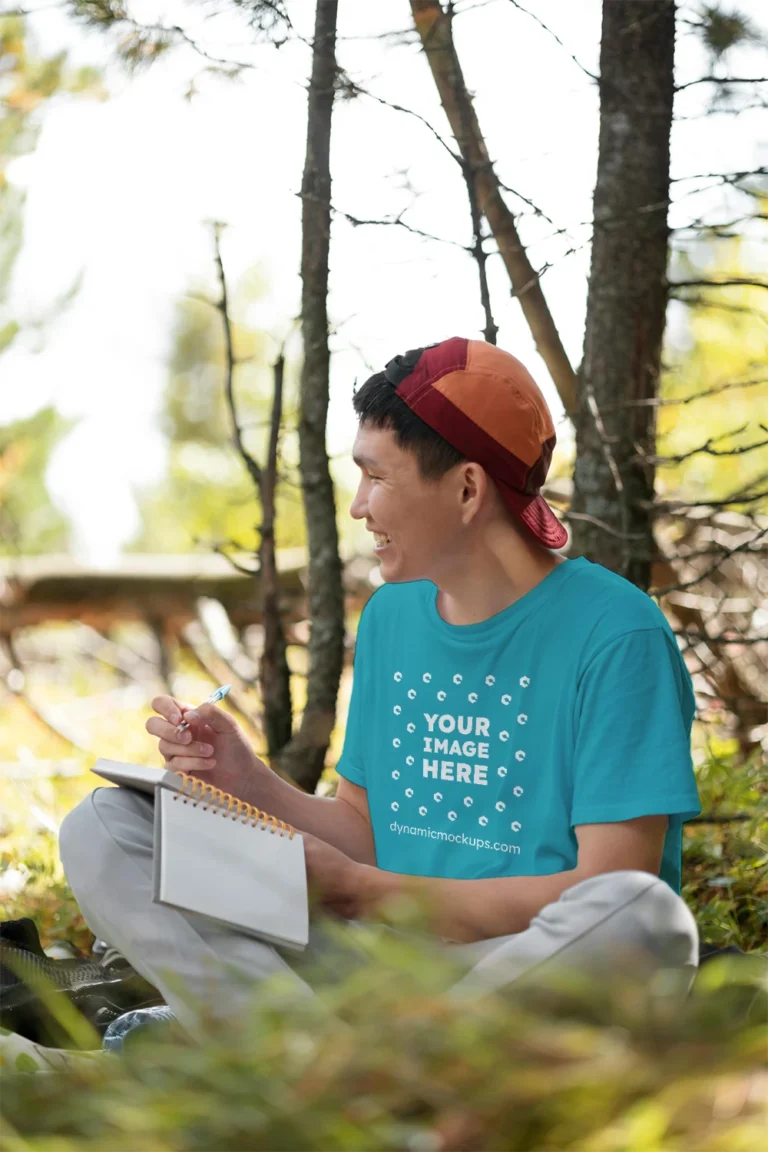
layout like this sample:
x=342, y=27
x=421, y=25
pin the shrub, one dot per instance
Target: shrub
x=383, y=1061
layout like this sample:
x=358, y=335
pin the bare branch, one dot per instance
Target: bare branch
x=536, y=210
x=398, y=222
x=723, y=306
x=602, y=525
x=722, y=80
x=737, y=817
x=745, y=546
x=223, y=308
x=477, y=250
x=733, y=282
x=716, y=550
x=178, y=33
x=481, y=256
x=556, y=38
x=241, y=568
x=706, y=449
x=719, y=227
x=704, y=637
x=657, y=402
x=722, y=177
x=679, y=507
x=359, y=91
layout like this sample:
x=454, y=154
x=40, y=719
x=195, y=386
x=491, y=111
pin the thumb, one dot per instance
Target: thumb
x=220, y=721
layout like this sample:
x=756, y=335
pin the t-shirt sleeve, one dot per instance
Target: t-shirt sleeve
x=351, y=763
x=634, y=710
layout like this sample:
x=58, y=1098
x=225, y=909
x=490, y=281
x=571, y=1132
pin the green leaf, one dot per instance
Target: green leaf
x=25, y=1063
x=8, y=334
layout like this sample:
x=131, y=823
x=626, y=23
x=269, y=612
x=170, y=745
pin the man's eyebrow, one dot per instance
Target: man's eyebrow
x=363, y=461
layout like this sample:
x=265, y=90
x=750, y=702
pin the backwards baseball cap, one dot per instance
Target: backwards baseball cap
x=487, y=405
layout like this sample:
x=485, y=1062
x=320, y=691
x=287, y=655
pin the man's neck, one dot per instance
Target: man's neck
x=492, y=578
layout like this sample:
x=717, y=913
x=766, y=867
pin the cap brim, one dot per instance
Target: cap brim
x=536, y=515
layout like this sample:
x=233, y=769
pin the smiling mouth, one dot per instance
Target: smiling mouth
x=380, y=541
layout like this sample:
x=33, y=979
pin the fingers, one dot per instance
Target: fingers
x=190, y=742
x=190, y=765
x=170, y=708
x=195, y=750
x=212, y=716
x=156, y=726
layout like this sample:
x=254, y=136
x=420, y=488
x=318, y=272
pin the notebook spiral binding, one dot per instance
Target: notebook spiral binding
x=197, y=791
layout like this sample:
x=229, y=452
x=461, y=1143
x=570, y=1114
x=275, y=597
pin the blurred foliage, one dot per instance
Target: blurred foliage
x=46, y=897
x=725, y=865
x=384, y=1059
x=136, y=45
x=207, y=496
x=724, y=341
x=721, y=29
x=29, y=85
x=139, y=44
x=29, y=523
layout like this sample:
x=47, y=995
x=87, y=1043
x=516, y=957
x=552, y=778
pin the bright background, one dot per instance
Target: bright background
x=119, y=194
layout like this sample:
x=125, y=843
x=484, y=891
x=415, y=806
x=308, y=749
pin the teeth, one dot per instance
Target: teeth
x=380, y=538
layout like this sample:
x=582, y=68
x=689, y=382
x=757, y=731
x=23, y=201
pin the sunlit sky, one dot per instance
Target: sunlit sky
x=119, y=193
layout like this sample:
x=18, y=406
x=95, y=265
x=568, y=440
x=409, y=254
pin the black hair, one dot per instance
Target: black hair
x=377, y=404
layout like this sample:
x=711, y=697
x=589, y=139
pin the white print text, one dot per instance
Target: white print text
x=463, y=724
x=455, y=838
x=456, y=748
x=460, y=770
x=450, y=770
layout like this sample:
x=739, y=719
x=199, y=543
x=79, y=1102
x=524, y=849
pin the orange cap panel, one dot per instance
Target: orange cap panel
x=481, y=392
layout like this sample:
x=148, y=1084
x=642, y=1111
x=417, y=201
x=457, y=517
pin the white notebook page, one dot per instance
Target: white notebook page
x=248, y=877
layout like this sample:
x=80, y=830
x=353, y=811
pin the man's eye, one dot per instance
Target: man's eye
x=373, y=477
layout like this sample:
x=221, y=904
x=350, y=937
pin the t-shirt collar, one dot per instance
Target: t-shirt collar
x=509, y=617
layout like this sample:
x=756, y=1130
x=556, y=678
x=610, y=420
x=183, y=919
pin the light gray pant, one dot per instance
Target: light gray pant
x=619, y=918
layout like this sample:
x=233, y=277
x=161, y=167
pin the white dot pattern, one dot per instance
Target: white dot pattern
x=458, y=735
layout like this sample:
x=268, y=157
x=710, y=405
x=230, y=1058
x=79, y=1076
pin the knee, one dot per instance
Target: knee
x=650, y=913
x=88, y=832
x=623, y=887
x=79, y=836
x=76, y=828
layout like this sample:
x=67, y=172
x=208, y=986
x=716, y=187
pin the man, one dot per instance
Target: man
x=517, y=752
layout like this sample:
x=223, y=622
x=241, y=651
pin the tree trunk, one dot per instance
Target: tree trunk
x=304, y=757
x=626, y=303
x=274, y=673
x=435, y=31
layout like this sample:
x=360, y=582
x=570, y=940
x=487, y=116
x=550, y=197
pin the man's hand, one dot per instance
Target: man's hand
x=214, y=748
x=341, y=885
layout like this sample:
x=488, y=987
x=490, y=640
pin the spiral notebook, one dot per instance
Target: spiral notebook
x=219, y=857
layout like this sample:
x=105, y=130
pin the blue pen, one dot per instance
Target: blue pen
x=214, y=698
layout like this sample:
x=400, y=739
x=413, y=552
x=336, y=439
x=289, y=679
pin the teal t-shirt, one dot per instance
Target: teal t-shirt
x=483, y=746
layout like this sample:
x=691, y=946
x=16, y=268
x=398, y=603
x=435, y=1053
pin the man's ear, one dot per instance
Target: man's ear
x=474, y=487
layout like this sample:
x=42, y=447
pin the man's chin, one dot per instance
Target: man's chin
x=392, y=571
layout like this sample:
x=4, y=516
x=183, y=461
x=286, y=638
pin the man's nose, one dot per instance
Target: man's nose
x=357, y=508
